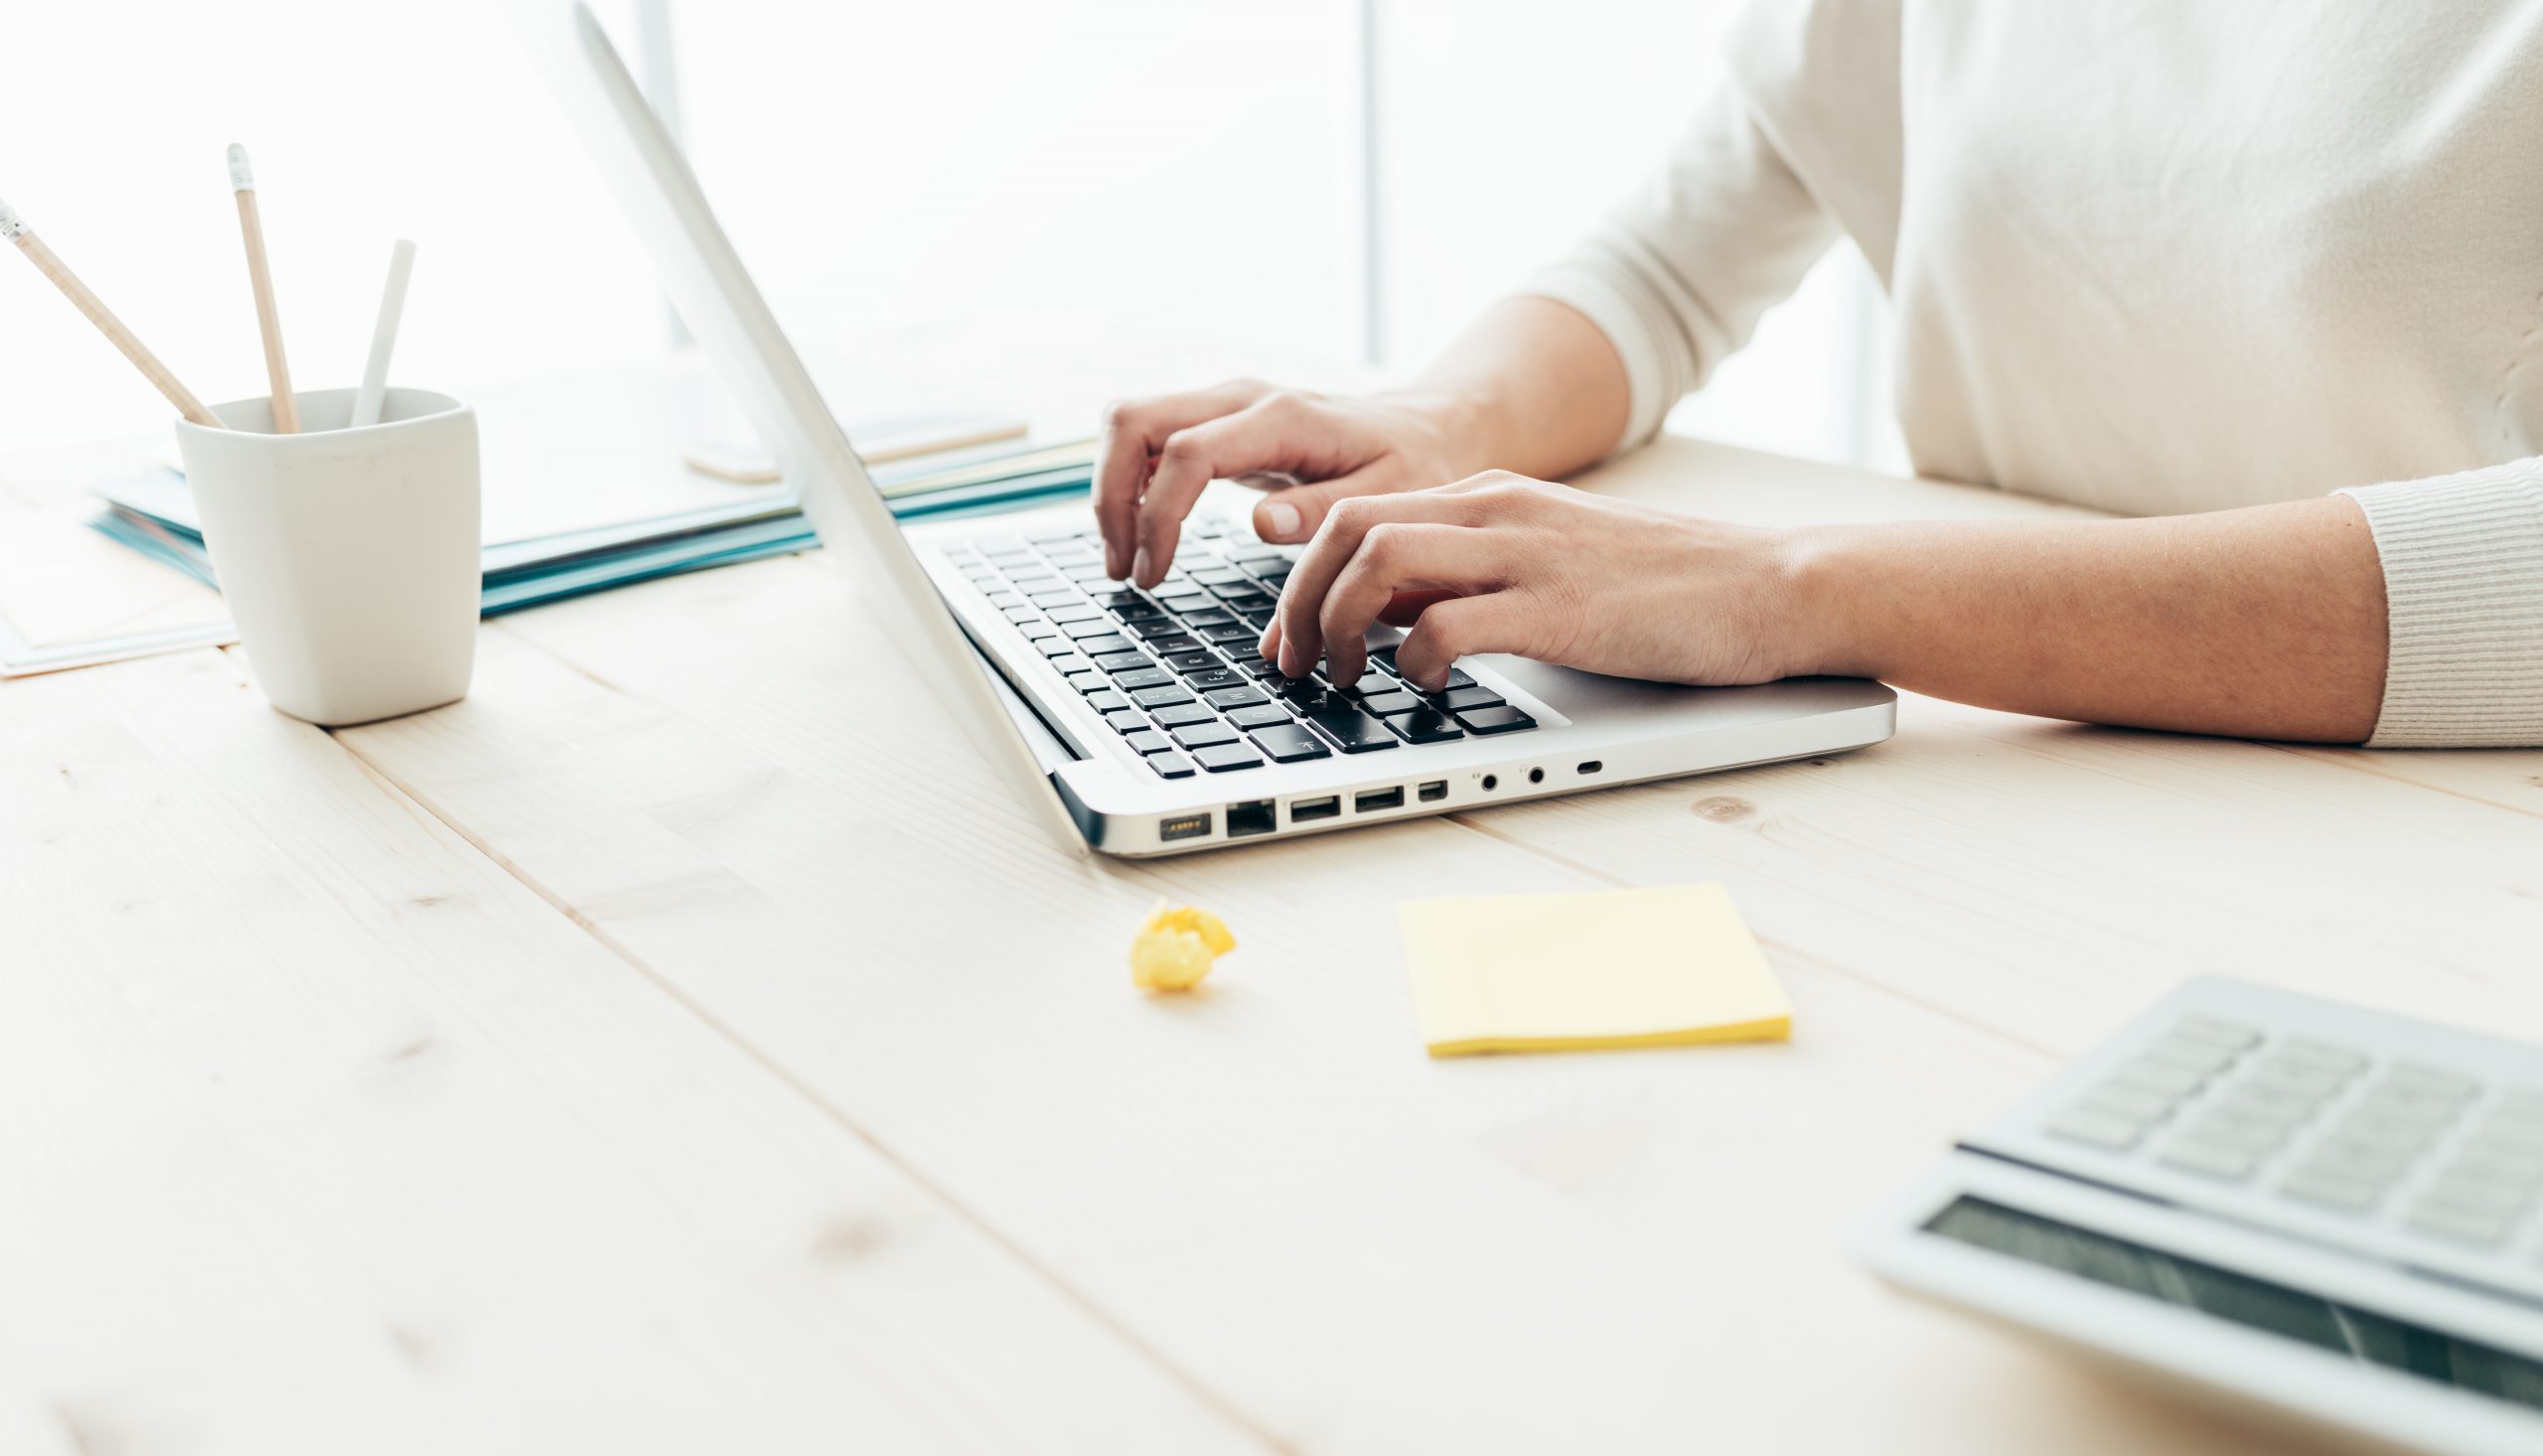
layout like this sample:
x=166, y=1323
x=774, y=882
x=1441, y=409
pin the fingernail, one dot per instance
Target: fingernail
x=1284, y=518
x=1139, y=565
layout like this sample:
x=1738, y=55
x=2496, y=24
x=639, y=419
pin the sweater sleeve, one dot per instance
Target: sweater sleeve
x=2462, y=559
x=1678, y=277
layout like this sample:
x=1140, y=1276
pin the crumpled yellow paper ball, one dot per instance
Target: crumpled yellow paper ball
x=1176, y=947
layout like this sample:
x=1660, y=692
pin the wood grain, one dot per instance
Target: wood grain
x=326, y=1134
x=682, y=1044
x=1361, y=1249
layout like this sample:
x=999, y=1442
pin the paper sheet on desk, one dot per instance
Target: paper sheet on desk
x=1667, y=965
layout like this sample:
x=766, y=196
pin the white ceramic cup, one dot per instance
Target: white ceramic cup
x=350, y=558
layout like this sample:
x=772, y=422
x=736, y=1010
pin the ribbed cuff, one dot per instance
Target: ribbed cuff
x=2462, y=558
x=1607, y=295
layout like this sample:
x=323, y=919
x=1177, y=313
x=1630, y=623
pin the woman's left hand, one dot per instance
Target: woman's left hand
x=1499, y=563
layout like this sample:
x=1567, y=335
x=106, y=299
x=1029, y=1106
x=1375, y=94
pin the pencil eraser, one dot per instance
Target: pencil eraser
x=11, y=226
x=241, y=178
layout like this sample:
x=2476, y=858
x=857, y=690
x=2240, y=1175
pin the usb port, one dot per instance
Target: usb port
x=1367, y=801
x=1183, y=826
x=1435, y=791
x=1254, y=817
x=1304, y=810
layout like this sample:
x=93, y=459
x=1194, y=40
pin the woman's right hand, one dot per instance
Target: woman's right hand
x=1158, y=453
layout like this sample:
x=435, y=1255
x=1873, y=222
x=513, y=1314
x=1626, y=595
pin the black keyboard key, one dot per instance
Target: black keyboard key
x=1457, y=678
x=1274, y=574
x=1126, y=721
x=1175, y=641
x=1352, y=731
x=1426, y=725
x=1227, y=757
x=1246, y=600
x=1307, y=695
x=1148, y=740
x=1156, y=626
x=1170, y=764
x=1180, y=715
x=1202, y=616
x=1502, y=719
x=1202, y=735
x=1138, y=612
x=1461, y=698
x=1105, y=700
x=1287, y=743
x=1122, y=661
x=1179, y=599
x=1388, y=704
x=1263, y=669
x=1119, y=596
x=1197, y=659
x=1243, y=695
x=1262, y=715
x=1144, y=677
x=1162, y=697
x=1236, y=636
x=1212, y=678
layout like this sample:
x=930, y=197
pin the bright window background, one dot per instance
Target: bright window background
x=1065, y=169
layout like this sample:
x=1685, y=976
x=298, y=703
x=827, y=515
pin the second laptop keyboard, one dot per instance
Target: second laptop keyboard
x=1175, y=670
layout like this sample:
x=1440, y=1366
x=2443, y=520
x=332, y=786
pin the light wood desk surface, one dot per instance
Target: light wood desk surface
x=681, y=1045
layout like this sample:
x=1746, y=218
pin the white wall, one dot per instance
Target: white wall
x=1087, y=166
x=1511, y=126
x=1155, y=165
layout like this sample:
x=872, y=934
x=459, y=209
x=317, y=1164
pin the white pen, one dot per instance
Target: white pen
x=383, y=337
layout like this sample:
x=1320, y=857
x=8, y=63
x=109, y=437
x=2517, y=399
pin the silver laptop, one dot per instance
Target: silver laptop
x=1143, y=722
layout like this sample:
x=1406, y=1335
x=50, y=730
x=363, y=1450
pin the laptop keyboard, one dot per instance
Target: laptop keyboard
x=1174, y=670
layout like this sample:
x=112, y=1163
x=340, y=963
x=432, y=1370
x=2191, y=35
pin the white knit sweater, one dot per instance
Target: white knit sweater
x=2156, y=257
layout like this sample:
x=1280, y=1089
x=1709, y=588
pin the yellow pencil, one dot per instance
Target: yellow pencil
x=14, y=228
x=242, y=181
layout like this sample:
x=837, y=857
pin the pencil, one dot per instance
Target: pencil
x=14, y=228
x=277, y=374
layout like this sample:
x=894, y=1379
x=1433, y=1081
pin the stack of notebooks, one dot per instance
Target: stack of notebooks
x=153, y=513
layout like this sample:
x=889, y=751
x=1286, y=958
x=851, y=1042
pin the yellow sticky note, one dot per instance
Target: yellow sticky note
x=1654, y=967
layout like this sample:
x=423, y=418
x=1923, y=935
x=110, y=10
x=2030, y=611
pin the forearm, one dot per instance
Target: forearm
x=2263, y=623
x=1531, y=386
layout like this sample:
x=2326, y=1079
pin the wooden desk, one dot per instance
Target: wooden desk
x=681, y=1045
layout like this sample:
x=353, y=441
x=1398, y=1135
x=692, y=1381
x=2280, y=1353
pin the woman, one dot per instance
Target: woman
x=2195, y=263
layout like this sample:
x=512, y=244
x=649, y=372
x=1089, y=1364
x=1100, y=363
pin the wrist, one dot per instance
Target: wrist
x=1457, y=425
x=1823, y=576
